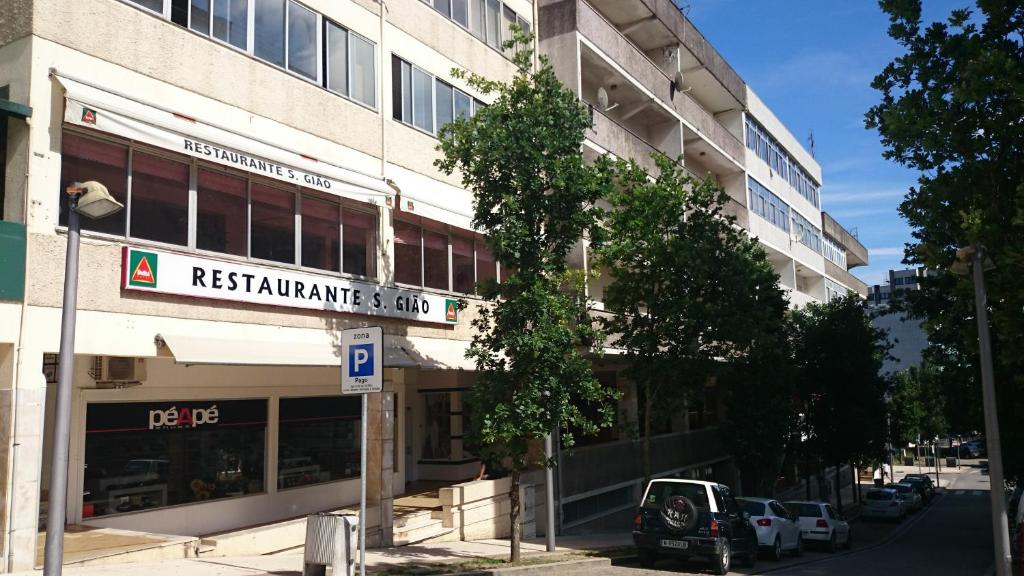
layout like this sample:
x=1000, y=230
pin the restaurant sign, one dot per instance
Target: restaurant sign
x=184, y=275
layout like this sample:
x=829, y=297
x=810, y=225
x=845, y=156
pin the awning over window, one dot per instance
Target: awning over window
x=173, y=130
x=399, y=352
x=430, y=198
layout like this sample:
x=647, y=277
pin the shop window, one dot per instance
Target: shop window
x=272, y=236
x=302, y=42
x=318, y=440
x=408, y=254
x=462, y=264
x=221, y=207
x=84, y=159
x=435, y=260
x=359, y=243
x=437, y=442
x=159, y=199
x=146, y=455
x=321, y=234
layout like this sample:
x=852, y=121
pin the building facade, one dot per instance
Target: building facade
x=906, y=334
x=275, y=159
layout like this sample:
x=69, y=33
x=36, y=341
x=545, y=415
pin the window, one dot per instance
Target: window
x=408, y=254
x=420, y=99
x=318, y=440
x=359, y=243
x=272, y=231
x=486, y=265
x=228, y=20
x=435, y=259
x=221, y=207
x=767, y=205
x=808, y=234
x=363, y=70
x=269, y=31
x=508, y=18
x=337, y=58
x=85, y=159
x=321, y=234
x=159, y=199
x=477, y=18
x=770, y=151
x=460, y=12
x=154, y=5
x=462, y=264
x=302, y=40
x=145, y=455
x=463, y=105
x=437, y=442
x=445, y=103
x=493, y=11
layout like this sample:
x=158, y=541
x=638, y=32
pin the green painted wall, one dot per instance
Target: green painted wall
x=12, y=261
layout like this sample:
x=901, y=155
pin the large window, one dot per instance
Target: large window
x=318, y=440
x=287, y=34
x=767, y=205
x=808, y=233
x=422, y=257
x=145, y=455
x=235, y=213
x=426, y=102
x=488, y=20
x=768, y=149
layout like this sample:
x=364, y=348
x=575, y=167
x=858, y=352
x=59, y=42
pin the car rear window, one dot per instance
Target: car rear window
x=878, y=495
x=805, y=510
x=751, y=507
x=658, y=492
x=904, y=488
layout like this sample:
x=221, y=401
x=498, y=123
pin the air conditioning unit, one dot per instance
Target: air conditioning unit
x=119, y=371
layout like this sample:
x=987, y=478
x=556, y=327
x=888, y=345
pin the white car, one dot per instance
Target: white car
x=912, y=501
x=820, y=523
x=776, y=527
x=883, y=503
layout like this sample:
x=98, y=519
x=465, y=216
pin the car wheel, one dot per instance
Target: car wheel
x=799, y=550
x=724, y=559
x=647, y=558
x=777, y=549
x=832, y=543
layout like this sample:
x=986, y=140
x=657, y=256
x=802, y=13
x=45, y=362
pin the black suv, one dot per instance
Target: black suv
x=693, y=519
x=923, y=484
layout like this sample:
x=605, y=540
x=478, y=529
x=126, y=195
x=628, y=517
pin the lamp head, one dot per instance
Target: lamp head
x=93, y=199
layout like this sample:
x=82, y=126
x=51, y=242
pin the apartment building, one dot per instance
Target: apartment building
x=275, y=159
x=905, y=333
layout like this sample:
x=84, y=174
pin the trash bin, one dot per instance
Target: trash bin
x=331, y=540
x=950, y=461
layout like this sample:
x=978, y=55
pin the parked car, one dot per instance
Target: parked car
x=777, y=527
x=911, y=498
x=923, y=484
x=693, y=519
x=883, y=503
x=821, y=524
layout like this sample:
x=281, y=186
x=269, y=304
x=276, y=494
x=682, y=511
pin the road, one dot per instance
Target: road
x=952, y=537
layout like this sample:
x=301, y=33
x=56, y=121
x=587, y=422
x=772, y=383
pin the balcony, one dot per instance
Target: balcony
x=605, y=58
x=856, y=253
x=845, y=278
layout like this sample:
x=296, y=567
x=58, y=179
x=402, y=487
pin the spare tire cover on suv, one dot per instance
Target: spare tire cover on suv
x=679, y=513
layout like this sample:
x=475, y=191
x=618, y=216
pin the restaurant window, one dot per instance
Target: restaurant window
x=321, y=234
x=84, y=159
x=318, y=440
x=146, y=455
x=272, y=234
x=408, y=254
x=435, y=259
x=359, y=243
x=486, y=266
x=462, y=264
x=159, y=199
x=221, y=207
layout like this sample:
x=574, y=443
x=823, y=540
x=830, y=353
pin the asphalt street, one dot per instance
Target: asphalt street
x=951, y=537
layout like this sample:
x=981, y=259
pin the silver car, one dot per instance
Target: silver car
x=884, y=503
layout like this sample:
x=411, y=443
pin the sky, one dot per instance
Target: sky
x=812, y=62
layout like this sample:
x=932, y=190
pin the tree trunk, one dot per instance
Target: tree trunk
x=839, y=488
x=648, y=405
x=514, y=514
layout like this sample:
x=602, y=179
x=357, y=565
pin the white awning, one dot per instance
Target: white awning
x=431, y=198
x=174, y=130
x=399, y=352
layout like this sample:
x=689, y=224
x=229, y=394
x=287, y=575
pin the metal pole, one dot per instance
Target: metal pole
x=362, y=488
x=53, y=561
x=936, y=453
x=549, y=492
x=1000, y=532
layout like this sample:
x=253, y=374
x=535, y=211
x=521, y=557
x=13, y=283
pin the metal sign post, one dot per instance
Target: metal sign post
x=362, y=372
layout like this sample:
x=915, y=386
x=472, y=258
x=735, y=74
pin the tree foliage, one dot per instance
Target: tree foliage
x=918, y=404
x=534, y=199
x=689, y=292
x=952, y=107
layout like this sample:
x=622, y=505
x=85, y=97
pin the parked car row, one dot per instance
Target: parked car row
x=896, y=501
x=692, y=519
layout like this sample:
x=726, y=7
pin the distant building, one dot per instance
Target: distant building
x=905, y=334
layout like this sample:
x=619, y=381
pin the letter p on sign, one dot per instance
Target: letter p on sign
x=362, y=351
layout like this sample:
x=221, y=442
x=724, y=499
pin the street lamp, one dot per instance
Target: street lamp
x=975, y=258
x=92, y=200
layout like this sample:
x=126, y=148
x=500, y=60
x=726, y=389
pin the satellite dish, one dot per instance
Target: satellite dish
x=602, y=98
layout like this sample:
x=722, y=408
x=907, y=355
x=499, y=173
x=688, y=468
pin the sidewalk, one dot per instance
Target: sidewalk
x=378, y=560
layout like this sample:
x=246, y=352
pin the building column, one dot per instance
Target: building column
x=27, y=401
x=380, y=461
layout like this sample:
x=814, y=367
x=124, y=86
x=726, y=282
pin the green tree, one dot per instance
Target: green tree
x=952, y=108
x=918, y=404
x=838, y=355
x=534, y=198
x=689, y=293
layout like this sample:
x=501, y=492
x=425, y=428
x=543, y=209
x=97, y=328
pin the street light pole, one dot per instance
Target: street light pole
x=93, y=200
x=1000, y=531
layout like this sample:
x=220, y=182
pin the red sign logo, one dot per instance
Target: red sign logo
x=88, y=115
x=143, y=273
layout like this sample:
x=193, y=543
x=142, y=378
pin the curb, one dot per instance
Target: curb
x=544, y=569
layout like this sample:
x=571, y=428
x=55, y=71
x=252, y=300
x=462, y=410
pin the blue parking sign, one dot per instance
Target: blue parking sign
x=362, y=355
x=360, y=360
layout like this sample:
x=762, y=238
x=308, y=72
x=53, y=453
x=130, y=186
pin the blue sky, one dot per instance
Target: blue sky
x=812, y=62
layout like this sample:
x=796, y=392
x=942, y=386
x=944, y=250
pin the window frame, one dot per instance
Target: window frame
x=474, y=103
x=450, y=232
x=482, y=36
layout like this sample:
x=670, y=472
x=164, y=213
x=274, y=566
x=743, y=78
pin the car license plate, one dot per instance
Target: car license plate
x=680, y=544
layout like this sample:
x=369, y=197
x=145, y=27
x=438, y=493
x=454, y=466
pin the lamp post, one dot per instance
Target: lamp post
x=975, y=259
x=94, y=201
